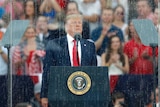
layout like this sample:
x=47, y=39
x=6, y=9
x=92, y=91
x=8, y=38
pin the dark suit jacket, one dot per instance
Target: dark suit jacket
x=57, y=54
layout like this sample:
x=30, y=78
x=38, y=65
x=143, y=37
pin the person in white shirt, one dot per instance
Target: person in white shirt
x=119, y=15
x=91, y=10
x=3, y=51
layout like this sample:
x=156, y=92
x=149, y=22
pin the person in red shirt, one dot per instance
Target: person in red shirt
x=26, y=57
x=62, y=3
x=140, y=56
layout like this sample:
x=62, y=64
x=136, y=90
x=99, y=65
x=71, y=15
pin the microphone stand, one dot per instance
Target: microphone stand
x=9, y=78
x=154, y=45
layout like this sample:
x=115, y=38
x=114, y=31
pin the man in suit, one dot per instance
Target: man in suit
x=44, y=33
x=60, y=52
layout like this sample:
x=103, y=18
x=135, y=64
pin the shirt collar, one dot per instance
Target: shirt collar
x=70, y=38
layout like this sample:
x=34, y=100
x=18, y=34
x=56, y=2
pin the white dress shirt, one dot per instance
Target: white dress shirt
x=70, y=47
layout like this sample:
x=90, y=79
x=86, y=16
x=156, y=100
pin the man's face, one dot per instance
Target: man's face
x=72, y=9
x=37, y=96
x=42, y=20
x=74, y=25
x=156, y=12
x=156, y=2
x=143, y=8
x=157, y=95
x=42, y=25
x=107, y=16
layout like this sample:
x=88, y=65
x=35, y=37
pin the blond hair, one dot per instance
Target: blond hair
x=29, y=27
x=72, y=16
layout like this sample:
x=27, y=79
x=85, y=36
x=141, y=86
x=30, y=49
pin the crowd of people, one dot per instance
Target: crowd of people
x=109, y=37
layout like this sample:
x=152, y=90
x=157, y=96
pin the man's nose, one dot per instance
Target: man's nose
x=77, y=24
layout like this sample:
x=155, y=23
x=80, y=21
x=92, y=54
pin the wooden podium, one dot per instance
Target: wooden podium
x=78, y=87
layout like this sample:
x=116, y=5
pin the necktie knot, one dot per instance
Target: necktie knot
x=74, y=41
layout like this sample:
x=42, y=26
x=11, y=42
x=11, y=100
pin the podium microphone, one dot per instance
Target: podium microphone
x=77, y=37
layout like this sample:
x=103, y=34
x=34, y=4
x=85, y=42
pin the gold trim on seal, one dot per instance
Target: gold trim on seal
x=82, y=83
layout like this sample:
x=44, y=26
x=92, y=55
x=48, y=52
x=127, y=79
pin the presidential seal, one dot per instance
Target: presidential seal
x=79, y=83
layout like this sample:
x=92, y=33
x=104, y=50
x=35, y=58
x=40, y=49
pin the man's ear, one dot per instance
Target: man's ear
x=65, y=26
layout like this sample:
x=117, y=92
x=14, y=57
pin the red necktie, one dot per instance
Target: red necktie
x=75, y=54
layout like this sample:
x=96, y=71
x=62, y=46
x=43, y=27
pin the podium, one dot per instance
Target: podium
x=78, y=87
x=137, y=88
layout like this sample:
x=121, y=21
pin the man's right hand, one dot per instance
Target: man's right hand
x=105, y=30
x=44, y=102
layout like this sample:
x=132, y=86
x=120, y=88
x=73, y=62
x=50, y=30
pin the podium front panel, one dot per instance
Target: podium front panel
x=60, y=95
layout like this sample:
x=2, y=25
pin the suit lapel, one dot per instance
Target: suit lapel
x=65, y=52
x=83, y=51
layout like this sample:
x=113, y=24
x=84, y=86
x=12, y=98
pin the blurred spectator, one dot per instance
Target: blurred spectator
x=22, y=89
x=1, y=28
x=3, y=60
x=41, y=25
x=156, y=12
x=144, y=10
x=125, y=4
x=3, y=51
x=26, y=57
x=4, y=22
x=50, y=8
x=36, y=101
x=157, y=19
x=42, y=31
x=23, y=105
x=101, y=34
x=132, y=10
x=155, y=3
x=152, y=98
x=14, y=8
x=2, y=1
x=140, y=56
x=115, y=3
x=104, y=4
x=31, y=10
x=118, y=100
x=129, y=30
x=72, y=8
x=119, y=13
x=1, y=36
x=62, y=3
x=91, y=10
x=114, y=57
x=56, y=29
x=2, y=12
